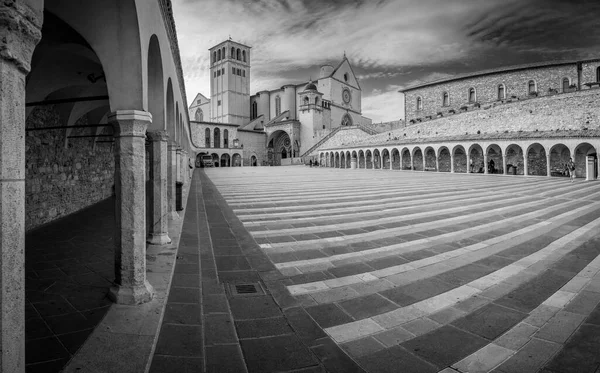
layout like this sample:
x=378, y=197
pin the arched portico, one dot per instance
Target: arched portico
x=225, y=160
x=476, y=159
x=348, y=160
x=342, y=160
x=368, y=160
x=444, y=160
x=361, y=159
x=417, y=159
x=385, y=154
x=376, y=159
x=495, y=160
x=459, y=162
x=537, y=162
x=430, y=159
x=279, y=148
x=395, y=159
x=582, y=151
x=406, y=159
x=514, y=160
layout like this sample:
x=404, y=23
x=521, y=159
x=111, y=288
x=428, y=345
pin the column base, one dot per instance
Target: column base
x=131, y=295
x=158, y=239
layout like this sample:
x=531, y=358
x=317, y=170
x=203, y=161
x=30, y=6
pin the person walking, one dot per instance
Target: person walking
x=571, y=167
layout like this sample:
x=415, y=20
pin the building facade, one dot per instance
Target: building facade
x=278, y=126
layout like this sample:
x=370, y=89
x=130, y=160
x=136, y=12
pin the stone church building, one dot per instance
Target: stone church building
x=272, y=127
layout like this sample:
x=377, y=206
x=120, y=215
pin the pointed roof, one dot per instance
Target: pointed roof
x=345, y=59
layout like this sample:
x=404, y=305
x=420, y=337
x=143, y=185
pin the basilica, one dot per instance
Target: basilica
x=271, y=127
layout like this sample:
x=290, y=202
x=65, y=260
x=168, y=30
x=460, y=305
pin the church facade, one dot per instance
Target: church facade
x=271, y=127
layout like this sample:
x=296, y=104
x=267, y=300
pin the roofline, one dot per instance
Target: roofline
x=225, y=41
x=497, y=71
x=215, y=123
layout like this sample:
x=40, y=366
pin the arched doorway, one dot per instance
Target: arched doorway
x=536, y=160
x=460, y=159
x=253, y=161
x=361, y=159
x=430, y=161
x=385, y=154
x=376, y=159
x=514, y=160
x=279, y=148
x=368, y=160
x=236, y=160
x=406, y=159
x=225, y=160
x=559, y=157
x=477, y=163
x=582, y=151
x=444, y=160
x=216, y=159
x=494, y=159
x=417, y=157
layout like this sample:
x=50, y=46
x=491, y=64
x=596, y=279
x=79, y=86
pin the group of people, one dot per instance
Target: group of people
x=491, y=167
x=315, y=163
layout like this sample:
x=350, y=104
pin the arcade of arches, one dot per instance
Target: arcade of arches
x=92, y=103
x=541, y=158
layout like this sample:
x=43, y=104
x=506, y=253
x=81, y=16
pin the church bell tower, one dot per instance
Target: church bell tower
x=230, y=83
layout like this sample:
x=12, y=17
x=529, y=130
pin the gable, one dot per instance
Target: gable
x=345, y=70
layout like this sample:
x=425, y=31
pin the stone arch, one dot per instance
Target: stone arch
x=476, y=159
x=225, y=160
x=216, y=159
x=368, y=159
x=207, y=137
x=277, y=142
x=430, y=159
x=236, y=160
x=361, y=159
x=337, y=160
x=342, y=160
x=514, y=160
x=385, y=155
x=460, y=159
x=156, y=90
x=348, y=160
x=217, y=137
x=321, y=159
x=494, y=158
x=536, y=160
x=582, y=150
x=376, y=159
x=444, y=159
x=331, y=160
x=417, y=159
x=395, y=159
x=559, y=157
x=406, y=159
x=346, y=120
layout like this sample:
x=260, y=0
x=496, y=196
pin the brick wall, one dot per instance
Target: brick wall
x=486, y=87
x=59, y=180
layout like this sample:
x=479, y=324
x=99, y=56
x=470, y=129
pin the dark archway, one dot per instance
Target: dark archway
x=225, y=160
x=537, y=163
x=368, y=160
x=514, y=160
x=376, y=159
x=385, y=154
x=460, y=159
x=396, y=159
x=494, y=158
x=444, y=160
x=430, y=159
x=361, y=159
x=417, y=159
x=581, y=152
x=406, y=159
x=477, y=161
x=559, y=157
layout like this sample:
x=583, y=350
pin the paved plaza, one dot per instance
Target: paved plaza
x=405, y=271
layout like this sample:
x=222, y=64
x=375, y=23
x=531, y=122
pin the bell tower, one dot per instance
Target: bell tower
x=230, y=83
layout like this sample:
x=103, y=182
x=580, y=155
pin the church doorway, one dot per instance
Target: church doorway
x=283, y=153
x=253, y=161
x=280, y=149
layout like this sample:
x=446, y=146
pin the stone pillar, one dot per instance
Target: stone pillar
x=131, y=286
x=19, y=34
x=391, y=162
x=525, y=168
x=424, y=161
x=589, y=168
x=504, y=164
x=548, y=168
x=178, y=164
x=184, y=165
x=468, y=163
x=381, y=161
x=171, y=179
x=353, y=163
x=158, y=234
x=437, y=164
x=451, y=163
x=485, y=164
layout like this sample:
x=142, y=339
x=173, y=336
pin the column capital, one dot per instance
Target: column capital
x=130, y=123
x=20, y=31
x=158, y=135
x=172, y=146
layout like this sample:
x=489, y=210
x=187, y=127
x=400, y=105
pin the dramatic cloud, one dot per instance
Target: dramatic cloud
x=389, y=42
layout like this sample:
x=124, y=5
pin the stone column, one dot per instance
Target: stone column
x=437, y=163
x=504, y=164
x=485, y=164
x=158, y=234
x=131, y=286
x=183, y=165
x=391, y=162
x=451, y=163
x=171, y=179
x=382, y=162
x=353, y=163
x=424, y=161
x=19, y=34
x=548, y=168
x=178, y=164
x=525, y=168
x=468, y=163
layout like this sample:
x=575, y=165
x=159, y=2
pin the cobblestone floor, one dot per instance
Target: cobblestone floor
x=385, y=271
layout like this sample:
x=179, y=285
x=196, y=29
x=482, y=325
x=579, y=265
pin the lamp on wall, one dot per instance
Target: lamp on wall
x=236, y=143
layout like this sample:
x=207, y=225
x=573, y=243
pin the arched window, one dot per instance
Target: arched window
x=565, y=84
x=224, y=53
x=277, y=106
x=219, y=55
x=199, y=116
x=238, y=54
x=283, y=153
x=472, y=95
x=501, y=92
x=217, y=140
x=598, y=74
x=346, y=120
x=306, y=100
x=345, y=77
x=232, y=53
x=207, y=137
x=244, y=56
x=531, y=87
x=254, y=110
x=316, y=100
x=225, y=138
x=419, y=103
x=445, y=99
x=214, y=57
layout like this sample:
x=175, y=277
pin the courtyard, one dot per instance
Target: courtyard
x=406, y=271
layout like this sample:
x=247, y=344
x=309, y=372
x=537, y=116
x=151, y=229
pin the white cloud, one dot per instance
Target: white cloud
x=384, y=106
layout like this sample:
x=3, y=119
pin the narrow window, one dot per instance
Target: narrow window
x=254, y=110
x=419, y=103
x=501, y=93
x=219, y=72
x=445, y=99
x=277, y=106
x=223, y=71
x=472, y=95
x=306, y=100
x=207, y=137
x=232, y=53
x=531, y=86
x=214, y=57
x=345, y=77
x=238, y=54
x=219, y=55
x=244, y=56
x=218, y=102
x=217, y=138
x=199, y=116
x=598, y=74
x=224, y=53
x=244, y=73
x=225, y=138
x=316, y=101
x=565, y=84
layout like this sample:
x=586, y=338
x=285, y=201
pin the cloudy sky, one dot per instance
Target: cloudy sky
x=390, y=43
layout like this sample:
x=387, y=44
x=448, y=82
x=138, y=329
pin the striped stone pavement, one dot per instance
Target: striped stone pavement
x=433, y=272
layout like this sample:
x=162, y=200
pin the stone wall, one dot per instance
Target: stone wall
x=516, y=84
x=571, y=111
x=59, y=180
x=344, y=136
